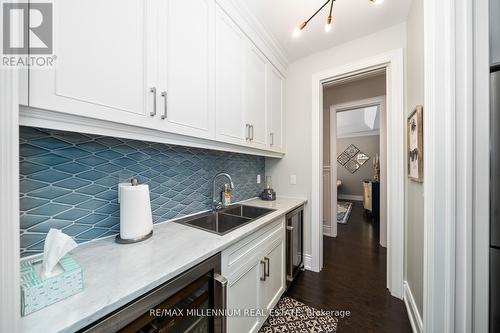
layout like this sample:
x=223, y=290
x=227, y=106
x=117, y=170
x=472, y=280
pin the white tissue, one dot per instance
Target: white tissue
x=57, y=244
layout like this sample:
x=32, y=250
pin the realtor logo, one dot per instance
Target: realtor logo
x=27, y=38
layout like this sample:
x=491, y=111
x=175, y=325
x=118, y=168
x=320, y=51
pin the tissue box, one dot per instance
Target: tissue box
x=37, y=293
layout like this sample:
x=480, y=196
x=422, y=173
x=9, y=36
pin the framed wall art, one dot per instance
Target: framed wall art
x=416, y=145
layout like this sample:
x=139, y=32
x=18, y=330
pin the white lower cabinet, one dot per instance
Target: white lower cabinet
x=255, y=268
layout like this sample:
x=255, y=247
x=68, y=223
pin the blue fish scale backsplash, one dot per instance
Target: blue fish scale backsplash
x=69, y=181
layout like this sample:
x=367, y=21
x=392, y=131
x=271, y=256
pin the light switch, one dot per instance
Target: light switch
x=293, y=179
x=258, y=179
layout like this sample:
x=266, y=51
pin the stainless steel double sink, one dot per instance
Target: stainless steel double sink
x=225, y=220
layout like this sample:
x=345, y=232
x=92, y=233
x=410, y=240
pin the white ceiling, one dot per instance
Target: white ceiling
x=358, y=122
x=352, y=19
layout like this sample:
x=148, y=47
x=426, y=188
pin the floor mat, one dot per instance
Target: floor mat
x=344, y=209
x=290, y=315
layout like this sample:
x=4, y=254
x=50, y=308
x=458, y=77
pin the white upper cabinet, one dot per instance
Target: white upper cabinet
x=275, y=91
x=230, y=51
x=255, y=96
x=176, y=71
x=105, y=59
x=186, y=59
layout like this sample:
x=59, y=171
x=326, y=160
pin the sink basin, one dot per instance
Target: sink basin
x=247, y=211
x=226, y=220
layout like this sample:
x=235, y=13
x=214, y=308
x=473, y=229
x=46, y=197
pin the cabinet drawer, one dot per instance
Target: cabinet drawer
x=250, y=247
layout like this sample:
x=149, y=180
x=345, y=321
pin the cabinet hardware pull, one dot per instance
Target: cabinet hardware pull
x=223, y=282
x=268, y=264
x=272, y=138
x=251, y=127
x=247, y=130
x=263, y=278
x=153, y=90
x=289, y=237
x=165, y=105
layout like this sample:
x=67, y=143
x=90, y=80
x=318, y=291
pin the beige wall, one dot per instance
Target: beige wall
x=352, y=183
x=344, y=93
x=414, y=191
x=298, y=101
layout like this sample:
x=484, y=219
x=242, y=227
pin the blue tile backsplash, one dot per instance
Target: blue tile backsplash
x=69, y=181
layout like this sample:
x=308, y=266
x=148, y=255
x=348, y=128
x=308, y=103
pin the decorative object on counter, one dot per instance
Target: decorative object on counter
x=376, y=167
x=416, y=145
x=53, y=278
x=136, y=219
x=268, y=194
x=226, y=195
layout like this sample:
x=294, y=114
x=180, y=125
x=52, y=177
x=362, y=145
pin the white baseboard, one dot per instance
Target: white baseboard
x=327, y=231
x=411, y=308
x=307, y=262
x=350, y=197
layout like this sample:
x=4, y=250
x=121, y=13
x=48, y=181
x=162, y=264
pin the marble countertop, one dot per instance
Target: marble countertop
x=116, y=274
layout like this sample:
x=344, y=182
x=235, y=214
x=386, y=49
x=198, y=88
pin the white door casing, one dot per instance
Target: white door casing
x=393, y=63
x=384, y=147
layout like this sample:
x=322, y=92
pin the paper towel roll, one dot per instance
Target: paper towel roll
x=136, y=219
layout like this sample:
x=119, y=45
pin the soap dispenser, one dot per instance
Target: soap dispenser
x=226, y=195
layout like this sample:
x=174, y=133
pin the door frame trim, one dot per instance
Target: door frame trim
x=10, y=309
x=373, y=101
x=393, y=62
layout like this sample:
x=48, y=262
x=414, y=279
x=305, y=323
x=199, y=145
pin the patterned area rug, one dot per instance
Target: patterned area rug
x=344, y=209
x=291, y=316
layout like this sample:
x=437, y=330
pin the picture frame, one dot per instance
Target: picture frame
x=415, y=145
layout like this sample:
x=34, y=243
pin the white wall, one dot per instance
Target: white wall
x=298, y=104
x=414, y=239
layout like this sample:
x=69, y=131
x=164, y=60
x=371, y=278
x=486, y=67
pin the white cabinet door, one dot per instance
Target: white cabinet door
x=105, y=62
x=230, y=49
x=275, y=91
x=255, y=96
x=186, y=67
x=273, y=286
x=241, y=294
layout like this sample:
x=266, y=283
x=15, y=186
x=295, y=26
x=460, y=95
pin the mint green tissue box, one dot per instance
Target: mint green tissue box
x=37, y=293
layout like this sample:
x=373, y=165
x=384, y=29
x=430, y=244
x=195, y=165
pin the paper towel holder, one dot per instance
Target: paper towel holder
x=120, y=240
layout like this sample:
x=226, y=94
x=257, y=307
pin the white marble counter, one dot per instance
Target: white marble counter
x=116, y=274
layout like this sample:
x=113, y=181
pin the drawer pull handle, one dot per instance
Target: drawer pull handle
x=165, y=105
x=263, y=277
x=266, y=259
x=153, y=91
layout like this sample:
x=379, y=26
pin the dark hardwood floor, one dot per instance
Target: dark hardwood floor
x=354, y=279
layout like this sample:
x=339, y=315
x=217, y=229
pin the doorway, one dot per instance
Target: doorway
x=392, y=63
x=354, y=151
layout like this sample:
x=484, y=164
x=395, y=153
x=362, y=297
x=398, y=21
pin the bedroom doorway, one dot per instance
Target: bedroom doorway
x=354, y=146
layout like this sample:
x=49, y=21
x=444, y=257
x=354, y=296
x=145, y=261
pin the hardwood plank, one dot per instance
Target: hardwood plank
x=354, y=278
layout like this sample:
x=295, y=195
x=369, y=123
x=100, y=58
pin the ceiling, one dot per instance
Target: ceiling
x=358, y=122
x=351, y=19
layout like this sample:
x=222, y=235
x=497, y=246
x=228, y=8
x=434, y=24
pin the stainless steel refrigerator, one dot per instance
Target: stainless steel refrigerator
x=495, y=166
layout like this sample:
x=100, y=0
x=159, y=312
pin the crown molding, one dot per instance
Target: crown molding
x=257, y=32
